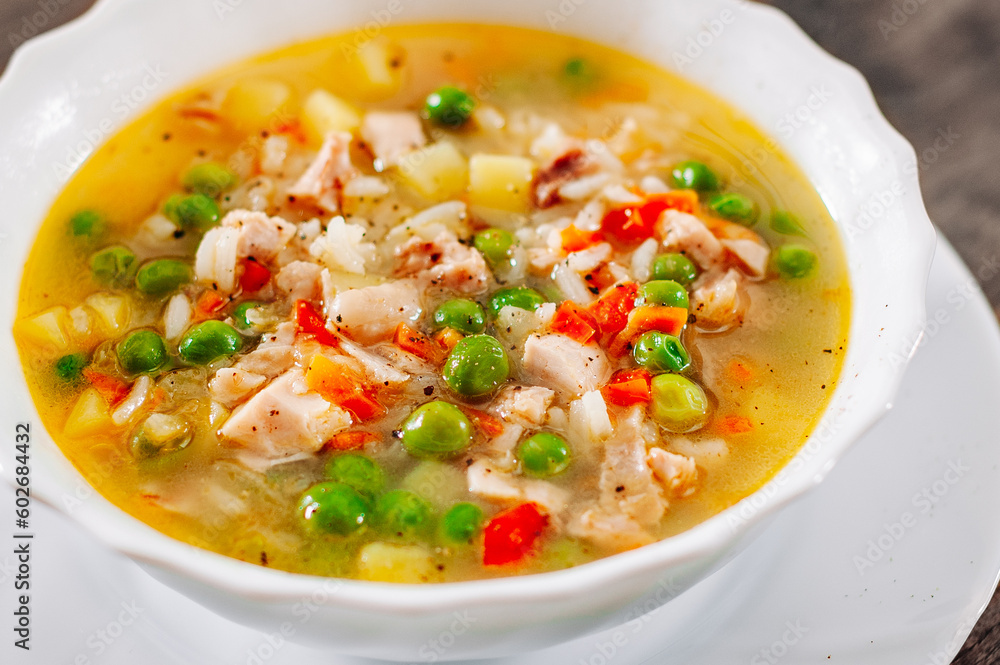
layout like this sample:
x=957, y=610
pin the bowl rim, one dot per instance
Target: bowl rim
x=145, y=544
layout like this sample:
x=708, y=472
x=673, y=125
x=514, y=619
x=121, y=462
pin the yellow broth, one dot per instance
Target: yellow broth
x=792, y=340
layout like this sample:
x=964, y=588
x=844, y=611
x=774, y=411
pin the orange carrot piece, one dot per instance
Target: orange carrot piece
x=575, y=322
x=739, y=372
x=111, y=389
x=629, y=387
x=683, y=200
x=415, y=342
x=487, y=424
x=209, y=302
x=729, y=425
x=669, y=320
x=575, y=239
x=343, y=387
x=448, y=338
x=350, y=440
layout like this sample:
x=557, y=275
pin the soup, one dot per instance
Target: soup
x=462, y=302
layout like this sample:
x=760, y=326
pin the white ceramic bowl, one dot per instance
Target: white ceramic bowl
x=67, y=90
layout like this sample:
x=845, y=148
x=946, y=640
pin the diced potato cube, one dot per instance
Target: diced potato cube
x=113, y=311
x=502, y=182
x=441, y=484
x=382, y=562
x=89, y=416
x=324, y=112
x=46, y=330
x=255, y=103
x=438, y=172
x=381, y=62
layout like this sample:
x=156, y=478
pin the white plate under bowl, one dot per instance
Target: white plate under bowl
x=68, y=89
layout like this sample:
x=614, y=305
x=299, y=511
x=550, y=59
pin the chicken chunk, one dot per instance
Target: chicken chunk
x=241, y=234
x=715, y=301
x=327, y=173
x=444, y=262
x=392, y=135
x=612, y=531
x=743, y=244
x=230, y=386
x=371, y=314
x=565, y=365
x=752, y=254
x=677, y=474
x=284, y=419
x=688, y=234
x=627, y=484
x=300, y=280
x=260, y=236
x=273, y=355
x=491, y=483
x=566, y=168
x=523, y=405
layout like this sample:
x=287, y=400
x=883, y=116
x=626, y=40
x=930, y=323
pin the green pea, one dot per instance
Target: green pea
x=436, y=429
x=786, y=223
x=210, y=179
x=449, y=106
x=87, y=223
x=241, y=312
x=659, y=352
x=69, y=367
x=662, y=292
x=113, y=266
x=735, y=207
x=516, y=296
x=209, y=341
x=694, y=175
x=198, y=211
x=142, y=352
x=476, y=366
x=676, y=267
x=403, y=513
x=580, y=73
x=462, y=522
x=496, y=246
x=544, y=454
x=356, y=471
x=678, y=403
x=162, y=276
x=170, y=207
x=466, y=316
x=334, y=507
x=794, y=261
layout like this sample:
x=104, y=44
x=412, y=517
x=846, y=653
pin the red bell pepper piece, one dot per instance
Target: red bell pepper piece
x=310, y=321
x=683, y=200
x=611, y=309
x=511, y=535
x=629, y=387
x=254, y=276
x=626, y=227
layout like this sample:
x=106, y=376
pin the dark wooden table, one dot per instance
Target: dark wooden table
x=935, y=68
